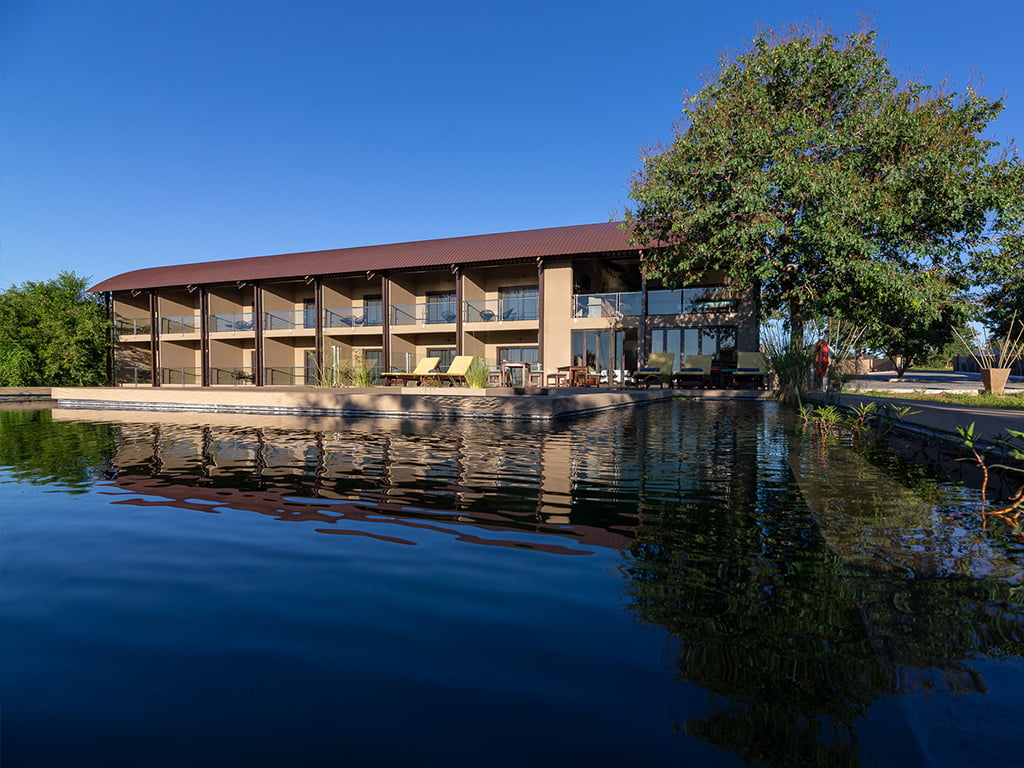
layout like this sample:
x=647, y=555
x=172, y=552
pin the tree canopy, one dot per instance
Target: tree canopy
x=52, y=333
x=806, y=167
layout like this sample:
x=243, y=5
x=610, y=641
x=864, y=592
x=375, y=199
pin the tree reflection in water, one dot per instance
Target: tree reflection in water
x=795, y=633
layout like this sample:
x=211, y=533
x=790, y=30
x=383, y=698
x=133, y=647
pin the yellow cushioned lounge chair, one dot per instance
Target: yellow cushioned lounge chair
x=696, y=374
x=423, y=369
x=456, y=373
x=750, y=370
x=658, y=370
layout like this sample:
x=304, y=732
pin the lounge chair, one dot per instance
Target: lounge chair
x=657, y=371
x=751, y=370
x=456, y=373
x=424, y=368
x=696, y=374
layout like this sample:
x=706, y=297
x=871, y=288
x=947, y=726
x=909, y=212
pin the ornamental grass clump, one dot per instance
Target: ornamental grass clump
x=995, y=353
x=476, y=376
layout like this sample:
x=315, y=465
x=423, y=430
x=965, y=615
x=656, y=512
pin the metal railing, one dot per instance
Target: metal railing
x=239, y=376
x=423, y=314
x=131, y=326
x=500, y=310
x=181, y=375
x=608, y=304
x=231, y=321
x=347, y=317
x=288, y=376
x=133, y=375
x=287, y=319
x=179, y=324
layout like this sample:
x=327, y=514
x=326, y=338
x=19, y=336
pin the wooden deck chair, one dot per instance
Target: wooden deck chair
x=751, y=370
x=424, y=368
x=456, y=373
x=696, y=374
x=658, y=370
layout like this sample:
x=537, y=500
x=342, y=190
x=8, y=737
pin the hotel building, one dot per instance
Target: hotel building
x=547, y=297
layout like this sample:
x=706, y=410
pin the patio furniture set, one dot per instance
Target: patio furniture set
x=700, y=372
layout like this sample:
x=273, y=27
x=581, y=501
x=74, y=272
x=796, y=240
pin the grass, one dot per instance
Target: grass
x=1011, y=400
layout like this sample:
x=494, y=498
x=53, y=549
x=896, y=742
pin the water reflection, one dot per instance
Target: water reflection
x=798, y=587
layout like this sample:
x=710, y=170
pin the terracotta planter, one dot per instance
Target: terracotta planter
x=994, y=379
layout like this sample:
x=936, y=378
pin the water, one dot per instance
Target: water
x=682, y=584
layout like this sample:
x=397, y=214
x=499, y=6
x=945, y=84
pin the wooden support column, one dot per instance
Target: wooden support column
x=540, y=315
x=154, y=340
x=204, y=338
x=385, y=319
x=642, y=341
x=257, y=324
x=457, y=271
x=108, y=314
x=318, y=307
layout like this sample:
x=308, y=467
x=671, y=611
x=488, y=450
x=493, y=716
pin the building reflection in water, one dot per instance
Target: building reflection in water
x=388, y=473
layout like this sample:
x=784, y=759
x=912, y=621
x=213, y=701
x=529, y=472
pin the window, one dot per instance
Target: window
x=604, y=351
x=529, y=355
x=518, y=303
x=441, y=307
x=308, y=313
x=719, y=342
x=373, y=310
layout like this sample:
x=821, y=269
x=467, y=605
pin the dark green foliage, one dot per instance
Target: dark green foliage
x=52, y=333
x=36, y=450
x=807, y=168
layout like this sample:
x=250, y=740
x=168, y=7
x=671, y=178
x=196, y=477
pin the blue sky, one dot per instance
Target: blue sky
x=137, y=134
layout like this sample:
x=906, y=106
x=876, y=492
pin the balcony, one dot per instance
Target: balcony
x=179, y=324
x=431, y=313
x=685, y=301
x=348, y=317
x=231, y=322
x=500, y=310
x=129, y=326
x=240, y=375
x=183, y=376
x=289, y=319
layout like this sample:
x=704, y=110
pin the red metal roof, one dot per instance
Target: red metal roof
x=533, y=243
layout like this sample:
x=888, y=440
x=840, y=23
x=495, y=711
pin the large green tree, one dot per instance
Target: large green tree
x=915, y=316
x=804, y=164
x=52, y=333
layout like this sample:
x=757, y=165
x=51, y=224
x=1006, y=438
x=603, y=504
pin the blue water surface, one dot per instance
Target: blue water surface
x=661, y=586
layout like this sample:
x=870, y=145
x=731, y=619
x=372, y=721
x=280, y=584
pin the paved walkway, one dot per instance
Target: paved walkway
x=932, y=416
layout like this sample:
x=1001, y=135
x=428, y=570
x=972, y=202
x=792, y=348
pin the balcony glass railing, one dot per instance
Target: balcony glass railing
x=348, y=317
x=133, y=374
x=181, y=375
x=662, y=302
x=500, y=310
x=238, y=376
x=423, y=314
x=288, y=376
x=289, y=319
x=129, y=326
x=231, y=321
x=608, y=304
x=179, y=324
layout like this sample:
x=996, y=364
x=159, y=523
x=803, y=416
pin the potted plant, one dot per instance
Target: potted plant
x=995, y=357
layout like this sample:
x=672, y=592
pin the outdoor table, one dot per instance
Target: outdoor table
x=508, y=370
